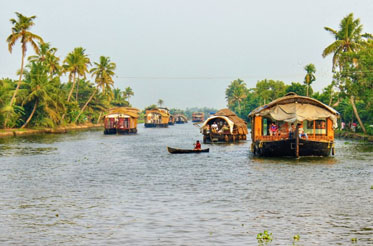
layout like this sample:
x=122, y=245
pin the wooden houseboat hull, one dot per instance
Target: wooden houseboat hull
x=287, y=147
x=153, y=125
x=110, y=131
x=223, y=138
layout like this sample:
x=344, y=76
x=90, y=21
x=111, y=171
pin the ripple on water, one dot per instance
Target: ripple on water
x=86, y=188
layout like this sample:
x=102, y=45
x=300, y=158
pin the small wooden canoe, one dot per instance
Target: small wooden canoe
x=185, y=151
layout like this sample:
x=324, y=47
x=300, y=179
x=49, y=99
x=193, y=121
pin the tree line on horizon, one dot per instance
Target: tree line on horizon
x=350, y=92
x=40, y=98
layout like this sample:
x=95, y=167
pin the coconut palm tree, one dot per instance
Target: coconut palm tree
x=128, y=92
x=20, y=31
x=238, y=95
x=39, y=94
x=75, y=63
x=310, y=76
x=47, y=55
x=103, y=73
x=348, y=38
x=160, y=102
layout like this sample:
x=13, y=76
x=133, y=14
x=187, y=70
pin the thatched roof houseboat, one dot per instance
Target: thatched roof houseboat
x=180, y=119
x=198, y=117
x=121, y=120
x=171, y=121
x=224, y=126
x=293, y=126
x=157, y=117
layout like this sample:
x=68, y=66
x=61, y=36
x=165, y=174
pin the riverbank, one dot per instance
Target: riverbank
x=35, y=131
x=354, y=135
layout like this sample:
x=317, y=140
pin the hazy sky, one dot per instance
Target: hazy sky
x=186, y=52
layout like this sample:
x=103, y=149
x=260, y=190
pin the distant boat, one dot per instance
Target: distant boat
x=293, y=126
x=198, y=117
x=157, y=117
x=121, y=120
x=185, y=151
x=180, y=119
x=171, y=120
x=224, y=126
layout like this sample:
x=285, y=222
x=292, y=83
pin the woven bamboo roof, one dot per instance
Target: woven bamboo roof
x=133, y=112
x=293, y=98
x=182, y=116
x=162, y=111
x=239, y=123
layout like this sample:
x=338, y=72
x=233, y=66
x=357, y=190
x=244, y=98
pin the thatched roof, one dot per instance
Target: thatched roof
x=294, y=108
x=239, y=123
x=182, y=116
x=162, y=111
x=293, y=98
x=133, y=112
x=232, y=116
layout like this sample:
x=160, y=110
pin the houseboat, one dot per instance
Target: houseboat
x=171, y=121
x=198, y=117
x=121, y=120
x=224, y=126
x=180, y=119
x=157, y=117
x=293, y=126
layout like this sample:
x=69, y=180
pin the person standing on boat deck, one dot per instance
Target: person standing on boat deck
x=197, y=145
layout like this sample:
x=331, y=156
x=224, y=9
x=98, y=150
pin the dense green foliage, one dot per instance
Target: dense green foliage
x=350, y=92
x=40, y=98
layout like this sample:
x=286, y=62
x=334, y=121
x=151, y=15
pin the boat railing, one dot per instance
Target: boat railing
x=285, y=137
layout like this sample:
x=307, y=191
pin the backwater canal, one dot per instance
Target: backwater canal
x=87, y=188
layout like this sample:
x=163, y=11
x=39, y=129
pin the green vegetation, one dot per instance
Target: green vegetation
x=264, y=237
x=40, y=98
x=350, y=92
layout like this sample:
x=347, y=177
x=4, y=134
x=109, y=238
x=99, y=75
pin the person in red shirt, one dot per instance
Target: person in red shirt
x=197, y=146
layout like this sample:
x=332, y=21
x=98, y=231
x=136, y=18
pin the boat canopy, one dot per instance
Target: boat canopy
x=162, y=112
x=230, y=123
x=294, y=108
x=121, y=111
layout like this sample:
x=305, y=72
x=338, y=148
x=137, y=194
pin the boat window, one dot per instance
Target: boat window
x=265, y=127
x=320, y=126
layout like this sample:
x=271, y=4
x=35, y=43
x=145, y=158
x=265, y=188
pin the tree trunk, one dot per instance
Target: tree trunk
x=85, y=105
x=17, y=88
x=72, y=88
x=31, y=115
x=99, y=118
x=352, y=99
x=70, y=93
x=77, y=89
x=307, y=88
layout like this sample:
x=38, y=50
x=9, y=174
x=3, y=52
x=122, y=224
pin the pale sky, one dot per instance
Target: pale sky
x=186, y=52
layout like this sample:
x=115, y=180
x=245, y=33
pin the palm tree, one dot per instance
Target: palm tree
x=20, y=31
x=160, y=102
x=238, y=95
x=235, y=93
x=76, y=63
x=347, y=39
x=103, y=72
x=40, y=90
x=47, y=55
x=310, y=76
x=128, y=92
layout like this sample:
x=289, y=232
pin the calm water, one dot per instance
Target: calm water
x=85, y=188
